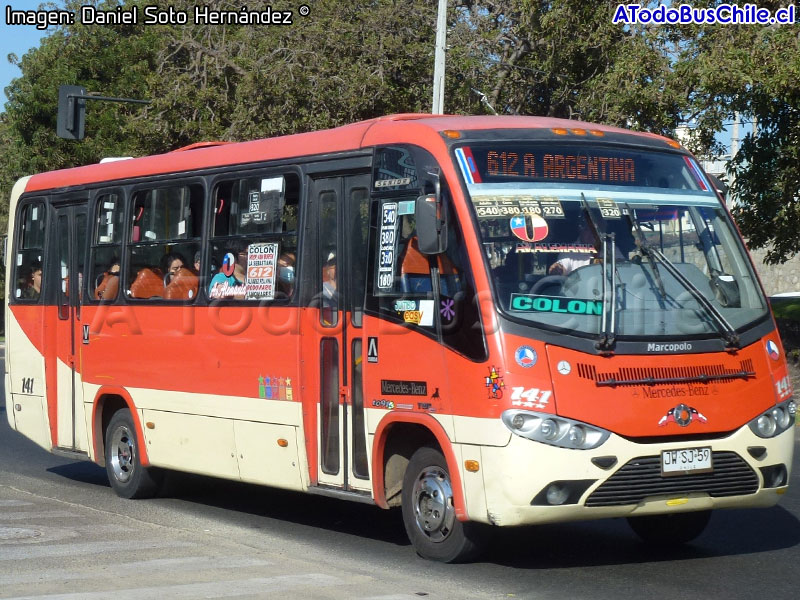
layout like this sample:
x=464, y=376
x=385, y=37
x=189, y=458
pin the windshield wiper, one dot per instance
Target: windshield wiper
x=725, y=328
x=644, y=249
x=608, y=323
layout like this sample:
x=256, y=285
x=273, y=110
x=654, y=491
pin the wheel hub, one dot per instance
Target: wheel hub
x=122, y=450
x=433, y=504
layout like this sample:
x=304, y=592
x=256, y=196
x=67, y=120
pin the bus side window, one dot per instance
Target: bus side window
x=402, y=283
x=165, y=238
x=457, y=305
x=253, y=247
x=28, y=260
x=106, y=246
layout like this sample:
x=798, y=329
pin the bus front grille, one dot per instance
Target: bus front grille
x=636, y=376
x=641, y=477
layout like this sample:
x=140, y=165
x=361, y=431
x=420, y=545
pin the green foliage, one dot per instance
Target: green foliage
x=347, y=62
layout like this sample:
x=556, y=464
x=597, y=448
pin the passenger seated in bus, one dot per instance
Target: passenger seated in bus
x=170, y=265
x=108, y=285
x=197, y=262
x=330, y=297
x=286, y=276
x=415, y=271
x=569, y=261
x=230, y=281
x=33, y=282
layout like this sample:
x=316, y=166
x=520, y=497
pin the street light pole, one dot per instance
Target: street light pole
x=438, y=59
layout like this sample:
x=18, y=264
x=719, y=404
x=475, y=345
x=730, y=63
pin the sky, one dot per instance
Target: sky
x=17, y=39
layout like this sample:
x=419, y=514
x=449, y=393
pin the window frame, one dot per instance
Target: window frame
x=19, y=223
x=230, y=176
x=128, y=245
x=94, y=245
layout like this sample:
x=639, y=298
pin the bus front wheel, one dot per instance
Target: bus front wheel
x=127, y=476
x=429, y=512
x=670, y=530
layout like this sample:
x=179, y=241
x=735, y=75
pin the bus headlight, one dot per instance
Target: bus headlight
x=553, y=430
x=766, y=426
x=775, y=421
x=781, y=416
x=549, y=429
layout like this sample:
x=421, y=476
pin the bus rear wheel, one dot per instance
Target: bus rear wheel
x=670, y=530
x=127, y=476
x=429, y=512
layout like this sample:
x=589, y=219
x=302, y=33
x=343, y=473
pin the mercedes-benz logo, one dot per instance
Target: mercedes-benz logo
x=682, y=415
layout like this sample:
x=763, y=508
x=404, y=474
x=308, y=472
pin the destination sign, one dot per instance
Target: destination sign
x=576, y=163
x=579, y=167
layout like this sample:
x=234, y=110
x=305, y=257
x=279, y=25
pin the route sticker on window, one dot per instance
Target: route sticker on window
x=386, y=253
x=490, y=207
x=261, y=268
x=255, y=201
x=608, y=208
x=555, y=304
x=406, y=207
x=551, y=208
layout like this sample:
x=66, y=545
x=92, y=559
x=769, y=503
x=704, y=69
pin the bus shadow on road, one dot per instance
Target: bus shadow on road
x=612, y=542
x=82, y=472
x=283, y=511
x=563, y=545
x=260, y=507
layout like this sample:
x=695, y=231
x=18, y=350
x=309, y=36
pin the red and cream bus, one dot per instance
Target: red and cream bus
x=483, y=320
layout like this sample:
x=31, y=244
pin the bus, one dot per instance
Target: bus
x=483, y=320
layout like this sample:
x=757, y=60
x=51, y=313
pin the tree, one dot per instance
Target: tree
x=564, y=59
x=766, y=170
x=343, y=63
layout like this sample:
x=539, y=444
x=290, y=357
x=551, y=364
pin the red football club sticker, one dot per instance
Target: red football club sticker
x=522, y=224
x=228, y=264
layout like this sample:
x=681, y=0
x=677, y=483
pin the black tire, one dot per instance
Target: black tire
x=670, y=530
x=429, y=513
x=127, y=476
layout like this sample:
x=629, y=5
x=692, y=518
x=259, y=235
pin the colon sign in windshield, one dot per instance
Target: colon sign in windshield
x=674, y=265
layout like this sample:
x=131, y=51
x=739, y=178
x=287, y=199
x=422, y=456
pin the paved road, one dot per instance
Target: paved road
x=65, y=535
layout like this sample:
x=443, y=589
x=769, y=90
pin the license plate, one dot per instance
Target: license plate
x=686, y=460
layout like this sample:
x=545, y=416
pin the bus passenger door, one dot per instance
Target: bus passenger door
x=342, y=206
x=63, y=355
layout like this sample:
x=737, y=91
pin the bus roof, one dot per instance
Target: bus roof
x=396, y=128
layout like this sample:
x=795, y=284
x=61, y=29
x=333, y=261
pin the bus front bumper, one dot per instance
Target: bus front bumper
x=528, y=482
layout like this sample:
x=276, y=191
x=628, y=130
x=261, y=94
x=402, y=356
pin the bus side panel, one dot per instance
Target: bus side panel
x=205, y=379
x=26, y=398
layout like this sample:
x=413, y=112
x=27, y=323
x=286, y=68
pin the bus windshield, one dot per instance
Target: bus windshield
x=609, y=242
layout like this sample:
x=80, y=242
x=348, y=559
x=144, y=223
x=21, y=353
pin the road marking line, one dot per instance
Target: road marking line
x=27, y=552
x=214, y=589
x=186, y=563
x=15, y=503
x=395, y=597
x=19, y=516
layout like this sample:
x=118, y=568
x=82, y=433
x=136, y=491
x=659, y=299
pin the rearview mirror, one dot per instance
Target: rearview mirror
x=431, y=219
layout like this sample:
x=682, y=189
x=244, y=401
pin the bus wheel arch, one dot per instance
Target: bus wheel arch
x=128, y=476
x=429, y=511
x=397, y=438
x=108, y=402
